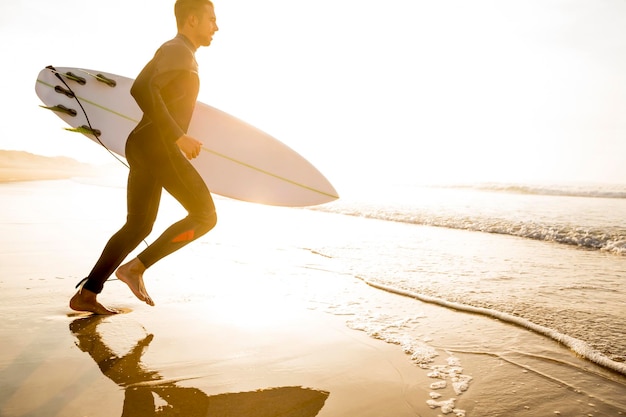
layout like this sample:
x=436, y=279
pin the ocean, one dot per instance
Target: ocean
x=550, y=255
x=549, y=260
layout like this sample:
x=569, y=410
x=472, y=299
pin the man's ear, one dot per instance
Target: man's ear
x=192, y=20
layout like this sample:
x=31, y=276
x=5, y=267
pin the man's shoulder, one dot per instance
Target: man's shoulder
x=177, y=46
x=177, y=53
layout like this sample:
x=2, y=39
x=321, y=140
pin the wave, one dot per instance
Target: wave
x=580, y=347
x=591, y=191
x=612, y=240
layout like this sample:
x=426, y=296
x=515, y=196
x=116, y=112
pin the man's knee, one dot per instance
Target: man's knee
x=205, y=221
x=209, y=220
x=138, y=227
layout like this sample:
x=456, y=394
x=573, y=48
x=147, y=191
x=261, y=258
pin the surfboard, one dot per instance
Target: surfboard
x=237, y=160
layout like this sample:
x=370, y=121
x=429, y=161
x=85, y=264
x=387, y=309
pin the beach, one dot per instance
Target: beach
x=25, y=166
x=272, y=313
x=473, y=266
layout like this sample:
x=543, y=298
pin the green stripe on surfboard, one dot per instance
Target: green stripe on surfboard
x=268, y=173
x=204, y=148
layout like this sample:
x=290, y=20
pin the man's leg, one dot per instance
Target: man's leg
x=184, y=183
x=143, y=197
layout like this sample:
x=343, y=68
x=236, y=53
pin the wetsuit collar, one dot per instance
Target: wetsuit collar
x=189, y=44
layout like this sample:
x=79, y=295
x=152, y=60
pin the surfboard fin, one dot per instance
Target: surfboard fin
x=62, y=90
x=107, y=81
x=74, y=77
x=102, y=78
x=85, y=130
x=59, y=108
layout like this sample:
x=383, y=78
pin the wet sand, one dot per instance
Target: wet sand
x=246, y=323
x=222, y=351
x=195, y=360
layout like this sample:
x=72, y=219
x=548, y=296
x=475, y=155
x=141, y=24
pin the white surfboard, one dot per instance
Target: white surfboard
x=237, y=160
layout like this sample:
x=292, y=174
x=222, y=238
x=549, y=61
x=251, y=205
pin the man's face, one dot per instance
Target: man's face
x=206, y=27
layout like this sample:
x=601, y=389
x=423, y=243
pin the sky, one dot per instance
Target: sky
x=371, y=92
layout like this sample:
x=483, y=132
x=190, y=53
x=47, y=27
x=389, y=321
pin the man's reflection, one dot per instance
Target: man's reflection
x=141, y=385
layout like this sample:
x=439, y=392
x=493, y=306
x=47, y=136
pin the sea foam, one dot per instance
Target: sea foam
x=578, y=346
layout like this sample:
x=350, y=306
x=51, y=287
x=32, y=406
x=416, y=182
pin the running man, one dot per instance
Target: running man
x=158, y=151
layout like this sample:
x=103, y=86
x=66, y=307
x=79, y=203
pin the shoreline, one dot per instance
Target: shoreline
x=580, y=347
x=258, y=315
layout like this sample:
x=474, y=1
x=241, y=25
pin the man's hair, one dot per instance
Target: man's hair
x=184, y=8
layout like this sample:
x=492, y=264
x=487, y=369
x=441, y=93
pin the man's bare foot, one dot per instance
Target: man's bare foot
x=132, y=275
x=85, y=300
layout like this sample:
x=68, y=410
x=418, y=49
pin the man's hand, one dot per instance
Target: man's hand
x=190, y=146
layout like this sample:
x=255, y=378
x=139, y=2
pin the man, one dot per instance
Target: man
x=166, y=91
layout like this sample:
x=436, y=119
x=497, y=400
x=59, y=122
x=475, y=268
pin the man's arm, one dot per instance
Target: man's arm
x=167, y=64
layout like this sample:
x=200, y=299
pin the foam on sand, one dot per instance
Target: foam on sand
x=578, y=346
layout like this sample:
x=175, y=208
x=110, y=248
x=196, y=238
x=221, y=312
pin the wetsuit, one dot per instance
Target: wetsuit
x=166, y=91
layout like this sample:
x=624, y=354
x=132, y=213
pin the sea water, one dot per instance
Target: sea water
x=551, y=259
x=552, y=255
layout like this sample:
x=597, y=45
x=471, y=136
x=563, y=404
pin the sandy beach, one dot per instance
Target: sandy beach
x=473, y=266
x=218, y=351
x=25, y=166
x=251, y=321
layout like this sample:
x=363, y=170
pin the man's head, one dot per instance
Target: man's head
x=196, y=20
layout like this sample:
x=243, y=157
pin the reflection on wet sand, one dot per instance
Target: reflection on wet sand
x=143, y=386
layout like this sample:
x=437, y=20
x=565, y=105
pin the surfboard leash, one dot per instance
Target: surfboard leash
x=95, y=132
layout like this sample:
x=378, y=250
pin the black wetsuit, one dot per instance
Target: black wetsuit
x=166, y=91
